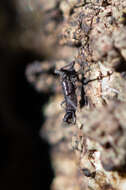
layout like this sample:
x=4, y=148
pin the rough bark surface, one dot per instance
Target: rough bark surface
x=91, y=154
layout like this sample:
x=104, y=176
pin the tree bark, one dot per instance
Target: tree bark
x=91, y=154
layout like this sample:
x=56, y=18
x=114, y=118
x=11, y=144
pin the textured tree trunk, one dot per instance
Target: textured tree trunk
x=90, y=155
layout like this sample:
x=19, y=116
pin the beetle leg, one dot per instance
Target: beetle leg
x=58, y=72
x=70, y=117
x=73, y=117
x=63, y=102
x=70, y=65
x=72, y=103
x=67, y=117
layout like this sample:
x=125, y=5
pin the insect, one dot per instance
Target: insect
x=68, y=79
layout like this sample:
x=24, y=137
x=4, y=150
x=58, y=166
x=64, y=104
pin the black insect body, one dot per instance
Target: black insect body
x=68, y=79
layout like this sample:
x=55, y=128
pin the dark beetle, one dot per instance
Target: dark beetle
x=68, y=79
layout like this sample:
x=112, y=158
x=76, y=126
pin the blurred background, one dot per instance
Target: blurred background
x=24, y=156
